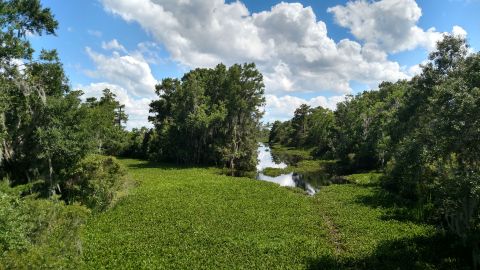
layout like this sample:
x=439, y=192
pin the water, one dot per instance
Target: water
x=309, y=183
x=265, y=159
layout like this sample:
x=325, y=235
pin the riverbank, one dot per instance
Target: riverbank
x=196, y=218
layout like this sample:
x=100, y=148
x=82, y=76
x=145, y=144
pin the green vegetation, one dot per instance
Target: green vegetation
x=210, y=116
x=302, y=167
x=289, y=153
x=309, y=128
x=194, y=218
x=418, y=207
x=96, y=182
x=371, y=231
x=423, y=133
x=38, y=233
x=365, y=179
x=45, y=128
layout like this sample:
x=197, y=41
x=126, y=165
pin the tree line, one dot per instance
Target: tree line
x=423, y=133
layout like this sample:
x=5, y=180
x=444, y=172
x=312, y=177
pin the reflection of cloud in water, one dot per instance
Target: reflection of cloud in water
x=288, y=180
x=265, y=159
x=283, y=179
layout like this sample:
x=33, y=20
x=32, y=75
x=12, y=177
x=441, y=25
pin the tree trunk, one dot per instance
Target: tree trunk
x=50, y=176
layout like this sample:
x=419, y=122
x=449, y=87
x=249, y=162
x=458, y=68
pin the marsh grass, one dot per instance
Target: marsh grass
x=195, y=218
x=291, y=155
x=180, y=218
x=302, y=167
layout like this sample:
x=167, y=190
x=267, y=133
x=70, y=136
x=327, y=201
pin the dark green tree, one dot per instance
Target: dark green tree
x=210, y=116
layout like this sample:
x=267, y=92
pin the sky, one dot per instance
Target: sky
x=312, y=52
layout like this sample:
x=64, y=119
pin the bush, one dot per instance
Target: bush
x=95, y=182
x=39, y=233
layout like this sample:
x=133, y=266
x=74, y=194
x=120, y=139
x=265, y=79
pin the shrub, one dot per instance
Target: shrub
x=95, y=182
x=39, y=233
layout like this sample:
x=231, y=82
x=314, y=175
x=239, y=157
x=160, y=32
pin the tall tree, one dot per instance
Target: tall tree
x=210, y=116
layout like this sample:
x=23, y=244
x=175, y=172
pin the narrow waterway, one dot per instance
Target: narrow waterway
x=266, y=160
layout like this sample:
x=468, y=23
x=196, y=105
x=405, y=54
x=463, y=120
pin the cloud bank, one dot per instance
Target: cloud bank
x=290, y=46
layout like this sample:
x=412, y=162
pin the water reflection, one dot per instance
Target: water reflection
x=266, y=160
x=289, y=180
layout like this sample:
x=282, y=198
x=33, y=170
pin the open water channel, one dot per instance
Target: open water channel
x=311, y=183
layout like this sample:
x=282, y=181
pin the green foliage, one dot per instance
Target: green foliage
x=365, y=179
x=290, y=154
x=95, y=181
x=210, y=116
x=372, y=231
x=195, y=218
x=39, y=233
x=45, y=130
x=280, y=133
x=104, y=120
x=304, y=167
x=17, y=19
x=309, y=128
x=364, y=126
x=422, y=132
x=299, y=125
x=137, y=146
x=437, y=158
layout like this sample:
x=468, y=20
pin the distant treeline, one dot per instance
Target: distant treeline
x=424, y=133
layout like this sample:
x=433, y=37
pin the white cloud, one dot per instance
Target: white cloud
x=136, y=109
x=391, y=24
x=128, y=75
x=282, y=108
x=130, y=71
x=459, y=31
x=291, y=48
x=113, y=45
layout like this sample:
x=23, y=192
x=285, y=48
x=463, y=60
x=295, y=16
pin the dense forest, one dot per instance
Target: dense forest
x=59, y=149
x=423, y=133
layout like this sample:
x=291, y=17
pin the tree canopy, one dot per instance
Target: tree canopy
x=210, y=116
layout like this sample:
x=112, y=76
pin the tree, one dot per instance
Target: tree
x=107, y=117
x=210, y=116
x=322, y=124
x=300, y=124
x=23, y=94
x=436, y=163
x=17, y=19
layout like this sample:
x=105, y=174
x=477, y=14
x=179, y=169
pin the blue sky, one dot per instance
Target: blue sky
x=311, y=52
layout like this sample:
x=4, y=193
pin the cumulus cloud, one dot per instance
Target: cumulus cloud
x=459, y=31
x=113, y=45
x=128, y=75
x=131, y=71
x=282, y=108
x=137, y=109
x=289, y=45
x=391, y=24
